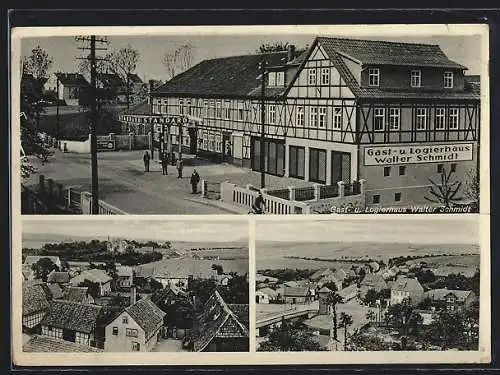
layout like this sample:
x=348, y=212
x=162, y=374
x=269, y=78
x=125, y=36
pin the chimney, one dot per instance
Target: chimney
x=133, y=295
x=291, y=53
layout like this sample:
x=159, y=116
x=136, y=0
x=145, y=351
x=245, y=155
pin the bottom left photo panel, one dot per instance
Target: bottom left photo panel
x=149, y=285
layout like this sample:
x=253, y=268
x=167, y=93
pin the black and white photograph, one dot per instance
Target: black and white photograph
x=134, y=286
x=368, y=285
x=306, y=121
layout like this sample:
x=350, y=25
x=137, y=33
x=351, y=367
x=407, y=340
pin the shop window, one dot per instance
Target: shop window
x=317, y=165
x=296, y=162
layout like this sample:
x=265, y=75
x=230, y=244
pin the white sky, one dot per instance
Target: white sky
x=160, y=230
x=428, y=229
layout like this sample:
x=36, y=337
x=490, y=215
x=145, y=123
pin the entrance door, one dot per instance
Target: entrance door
x=193, y=140
x=227, y=148
x=341, y=167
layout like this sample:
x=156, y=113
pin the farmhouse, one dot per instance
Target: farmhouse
x=266, y=295
x=68, y=87
x=297, y=295
x=453, y=299
x=408, y=289
x=220, y=327
x=56, y=277
x=137, y=328
x=94, y=275
x=393, y=114
x=372, y=281
x=35, y=305
x=71, y=321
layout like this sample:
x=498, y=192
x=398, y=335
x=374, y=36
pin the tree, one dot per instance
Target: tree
x=273, y=47
x=345, y=322
x=448, y=331
x=236, y=290
x=370, y=297
x=124, y=63
x=218, y=268
x=43, y=267
x=471, y=188
x=179, y=59
x=331, y=285
x=444, y=192
x=332, y=300
x=289, y=337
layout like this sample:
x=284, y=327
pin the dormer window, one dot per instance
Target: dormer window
x=373, y=76
x=280, y=78
x=416, y=78
x=448, y=80
x=271, y=80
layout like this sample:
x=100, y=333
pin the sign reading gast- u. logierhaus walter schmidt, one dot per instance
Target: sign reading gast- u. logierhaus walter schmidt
x=416, y=154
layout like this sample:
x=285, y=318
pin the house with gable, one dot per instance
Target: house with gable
x=453, y=300
x=35, y=305
x=136, y=329
x=68, y=86
x=406, y=289
x=94, y=275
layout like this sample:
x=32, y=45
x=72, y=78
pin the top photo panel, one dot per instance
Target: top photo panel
x=251, y=120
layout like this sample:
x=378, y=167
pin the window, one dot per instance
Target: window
x=394, y=118
x=300, y=116
x=131, y=332
x=313, y=116
x=325, y=76
x=136, y=346
x=241, y=111
x=448, y=80
x=378, y=119
x=317, y=165
x=125, y=319
x=227, y=109
x=387, y=171
x=440, y=168
x=416, y=78
x=280, y=78
x=397, y=197
x=189, y=108
x=453, y=168
x=421, y=119
x=439, y=125
x=312, y=76
x=373, y=76
x=376, y=199
x=205, y=108
x=271, y=80
x=322, y=117
x=402, y=170
x=453, y=119
x=272, y=113
x=274, y=156
x=297, y=162
x=181, y=107
x=218, y=110
x=115, y=331
x=337, y=118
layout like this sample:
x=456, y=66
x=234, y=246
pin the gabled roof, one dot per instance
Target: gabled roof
x=217, y=321
x=407, y=284
x=41, y=344
x=134, y=78
x=270, y=292
x=34, y=299
x=241, y=311
x=324, y=290
x=224, y=77
x=146, y=314
x=439, y=294
x=72, y=79
x=347, y=291
x=58, y=277
x=72, y=315
x=296, y=291
x=76, y=294
x=124, y=271
x=55, y=291
x=375, y=52
x=95, y=275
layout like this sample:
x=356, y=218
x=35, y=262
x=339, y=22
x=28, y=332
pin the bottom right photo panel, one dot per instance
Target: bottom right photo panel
x=368, y=284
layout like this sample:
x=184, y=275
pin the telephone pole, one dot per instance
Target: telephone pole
x=262, y=155
x=93, y=112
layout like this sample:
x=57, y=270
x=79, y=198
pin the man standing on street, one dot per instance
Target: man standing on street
x=164, y=163
x=146, y=159
x=179, y=168
x=195, y=179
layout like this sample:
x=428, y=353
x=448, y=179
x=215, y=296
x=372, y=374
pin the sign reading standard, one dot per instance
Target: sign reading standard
x=387, y=155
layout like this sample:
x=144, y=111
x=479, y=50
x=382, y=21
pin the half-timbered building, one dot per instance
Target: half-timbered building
x=394, y=114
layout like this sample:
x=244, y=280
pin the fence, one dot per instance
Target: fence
x=50, y=197
x=304, y=193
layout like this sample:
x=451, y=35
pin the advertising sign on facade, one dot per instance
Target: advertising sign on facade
x=416, y=154
x=106, y=145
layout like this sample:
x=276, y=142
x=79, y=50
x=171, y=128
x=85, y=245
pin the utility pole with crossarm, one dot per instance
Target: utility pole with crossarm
x=93, y=40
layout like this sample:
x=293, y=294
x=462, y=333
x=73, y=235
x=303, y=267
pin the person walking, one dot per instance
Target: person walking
x=179, y=168
x=164, y=163
x=195, y=179
x=146, y=159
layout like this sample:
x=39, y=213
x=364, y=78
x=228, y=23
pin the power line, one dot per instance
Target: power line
x=89, y=43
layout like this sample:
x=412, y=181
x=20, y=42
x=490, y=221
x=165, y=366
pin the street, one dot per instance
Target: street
x=124, y=184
